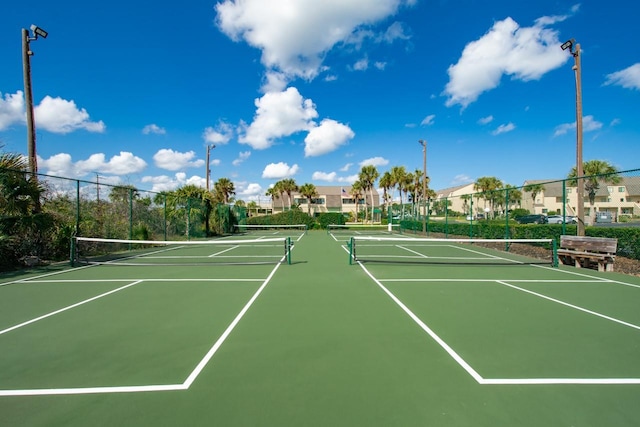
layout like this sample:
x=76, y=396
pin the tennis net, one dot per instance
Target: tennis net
x=452, y=251
x=271, y=230
x=363, y=229
x=88, y=250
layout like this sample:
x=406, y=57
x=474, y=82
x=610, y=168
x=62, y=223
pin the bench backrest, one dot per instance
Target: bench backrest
x=605, y=245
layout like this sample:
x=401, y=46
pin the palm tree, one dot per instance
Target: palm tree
x=308, y=191
x=252, y=205
x=278, y=187
x=274, y=193
x=513, y=196
x=182, y=202
x=356, y=193
x=385, y=183
x=534, y=190
x=289, y=186
x=23, y=224
x=224, y=189
x=367, y=177
x=487, y=186
x=406, y=186
x=398, y=177
x=595, y=172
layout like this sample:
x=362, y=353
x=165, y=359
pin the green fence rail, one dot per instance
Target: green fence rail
x=39, y=216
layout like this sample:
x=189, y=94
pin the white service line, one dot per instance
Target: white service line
x=53, y=313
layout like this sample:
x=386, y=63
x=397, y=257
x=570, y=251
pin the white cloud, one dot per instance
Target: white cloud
x=589, y=124
x=279, y=170
x=62, y=165
x=171, y=160
x=461, y=179
x=242, y=156
x=58, y=115
x=326, y=137
x=167, y=183
x=333, y=177
x=374, y=161
x=278, y=114
x=485, y=120
x=11, y=109
x=525, y=53
x=294, y=36
x=504, y=129
x=429, y=120
x=249, y=191
x=361, y=65
x=629, y=78
x=153, y=128
x=221, y=134
x=346, y=167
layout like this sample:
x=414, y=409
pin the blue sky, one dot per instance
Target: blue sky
x=135, y=91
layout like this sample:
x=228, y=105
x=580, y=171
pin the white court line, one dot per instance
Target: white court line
x=492, y=280
x=506, y=381
x=192, y=377
x=53, y=313
x=151, y=388
x=455, y=356
x=595, y=313
x=211, y=279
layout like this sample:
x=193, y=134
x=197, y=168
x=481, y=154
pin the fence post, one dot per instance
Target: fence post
x=77, y=207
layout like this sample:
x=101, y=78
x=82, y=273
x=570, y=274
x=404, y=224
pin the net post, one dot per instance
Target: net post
x=351, y=243
x=288, y=246
x=72, y=252
x=554, y=257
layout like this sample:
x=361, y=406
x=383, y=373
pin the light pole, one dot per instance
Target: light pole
x=574, y=49
x=424, y=184
x=209, y=148
x=28, y=94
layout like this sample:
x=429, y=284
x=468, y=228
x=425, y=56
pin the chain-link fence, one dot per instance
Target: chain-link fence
x=611, y=207
x=39, y=216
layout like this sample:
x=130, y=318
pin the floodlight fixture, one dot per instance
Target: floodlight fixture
x=38, y=31
x=568, y=45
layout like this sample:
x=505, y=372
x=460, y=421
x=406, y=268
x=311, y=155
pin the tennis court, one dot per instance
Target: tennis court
x=406, y=332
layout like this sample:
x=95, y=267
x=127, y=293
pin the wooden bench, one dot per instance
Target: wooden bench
x=583, y=251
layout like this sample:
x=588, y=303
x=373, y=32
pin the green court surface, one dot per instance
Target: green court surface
x=431, y=340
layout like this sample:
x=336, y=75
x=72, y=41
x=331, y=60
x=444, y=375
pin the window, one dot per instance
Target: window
x=621, y=189
x=610, y=190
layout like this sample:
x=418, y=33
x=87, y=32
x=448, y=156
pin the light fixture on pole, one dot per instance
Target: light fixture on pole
x=424, y=184
x=574, y=49
x=28, y=94
x=209, y=148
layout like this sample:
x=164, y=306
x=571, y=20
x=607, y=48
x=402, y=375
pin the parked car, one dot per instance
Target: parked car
x=532, y=219
x=558, y=219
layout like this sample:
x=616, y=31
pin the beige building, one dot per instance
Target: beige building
x=620, y=199
x=331, y=199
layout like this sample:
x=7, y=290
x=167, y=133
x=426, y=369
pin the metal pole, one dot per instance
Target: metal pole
x=209, y=147
x=424, y=184
x=28, y=99
x=579, y=163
